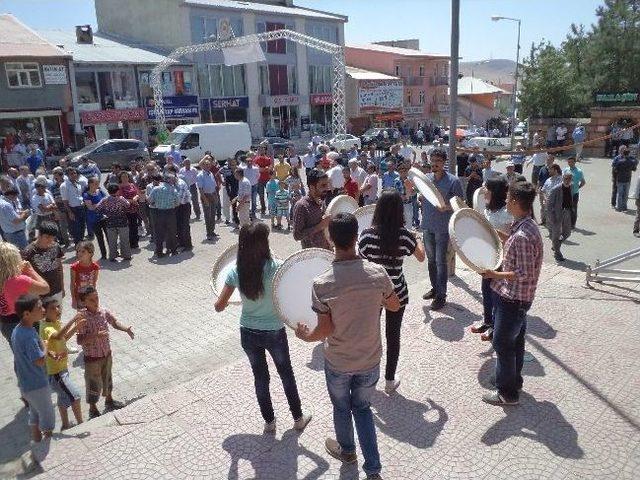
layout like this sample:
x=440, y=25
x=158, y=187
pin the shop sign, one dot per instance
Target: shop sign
x=388, y=117
x=617, y=98
x=419, y=110
x=229, y=102
x=281, y=100
x=443, y=107
x=55, y=74
x=321, y=99
x=177, y=106
x=96, y=117
x=373, y=95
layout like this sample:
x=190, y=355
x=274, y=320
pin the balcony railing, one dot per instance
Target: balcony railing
x=439, y=81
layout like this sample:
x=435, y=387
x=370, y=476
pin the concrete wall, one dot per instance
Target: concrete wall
x=46, y=96
x=160, y=24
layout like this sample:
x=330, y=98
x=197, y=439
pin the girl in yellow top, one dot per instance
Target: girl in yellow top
x=55, y=337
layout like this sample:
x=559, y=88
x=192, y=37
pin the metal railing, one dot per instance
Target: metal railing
x=602, y=271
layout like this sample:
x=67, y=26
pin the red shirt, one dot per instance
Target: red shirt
x=351, y=188
x=13, y=289
x=85, y=275
x=128, y=192
x=325, y=164
x=263, y=161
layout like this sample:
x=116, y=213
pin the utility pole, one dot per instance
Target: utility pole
x=453, y=83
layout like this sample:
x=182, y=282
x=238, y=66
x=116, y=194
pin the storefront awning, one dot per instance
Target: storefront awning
x=29, y=114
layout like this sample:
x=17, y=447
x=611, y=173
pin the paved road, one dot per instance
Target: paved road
x=179, y=336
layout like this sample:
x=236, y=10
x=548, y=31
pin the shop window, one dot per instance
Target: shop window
x=264, y=80
x=278, y=79
x=236, y=114
x=276, y=46
x=292, y=79
x=87, y=87
x=422, y=70
x=23, y=75
x=320, y=78
x=217, y=116
x=397, y=70
x=52, y=131
x=122, y=86
x=227, y=81
x=421, y=98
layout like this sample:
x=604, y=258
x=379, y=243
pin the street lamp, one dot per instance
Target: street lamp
x=496, y=18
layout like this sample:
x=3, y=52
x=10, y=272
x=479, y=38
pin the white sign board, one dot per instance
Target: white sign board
x=55, y=74
x=380, y=96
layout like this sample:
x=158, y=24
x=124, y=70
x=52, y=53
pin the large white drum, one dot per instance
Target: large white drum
x=341, y=204
x=220, y=270
x=426, y=187
x=479, y=204
x=293, y=282
x=364, y=215
x=475, y=241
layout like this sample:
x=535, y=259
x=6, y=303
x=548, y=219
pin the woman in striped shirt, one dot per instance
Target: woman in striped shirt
x=386, y=243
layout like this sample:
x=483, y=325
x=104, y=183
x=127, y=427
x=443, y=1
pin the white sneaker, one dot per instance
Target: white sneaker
x=270, y=427
x=391, y=386
x=302, y=422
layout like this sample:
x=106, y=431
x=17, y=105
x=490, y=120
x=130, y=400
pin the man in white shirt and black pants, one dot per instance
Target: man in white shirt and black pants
x=189, y=175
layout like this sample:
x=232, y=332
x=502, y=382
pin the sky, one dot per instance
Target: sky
x=375, y=20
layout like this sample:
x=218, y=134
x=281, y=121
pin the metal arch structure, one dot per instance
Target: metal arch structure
x=338, y=120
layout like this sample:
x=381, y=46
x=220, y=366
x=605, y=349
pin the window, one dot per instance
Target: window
x=122, y=84
x=203, y=80
x=227, y=81
x=421, y=98
x=23, y=75
x=397, y=70
x=409, y=97
x=264, y=80
x=422, y=70
x=191, y=141
x=88, y=90
x=124, y=145
x=320, y=80
x=273, y=46
x=107, y=148
x=292, y=79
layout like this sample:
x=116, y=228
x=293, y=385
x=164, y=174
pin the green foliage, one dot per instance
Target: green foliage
x=560, y=82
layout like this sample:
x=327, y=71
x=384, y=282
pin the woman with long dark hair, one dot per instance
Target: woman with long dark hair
x=260, y=328
x=386, y=243
x=495, y=197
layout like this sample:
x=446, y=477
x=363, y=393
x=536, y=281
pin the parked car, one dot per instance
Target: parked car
x=376, y=135
x=277, y=145
x=106, y=152
x=344, y=141
x=489, y=143
x=224, y=140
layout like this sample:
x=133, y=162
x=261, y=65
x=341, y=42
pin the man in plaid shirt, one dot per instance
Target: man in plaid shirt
x=514, y=287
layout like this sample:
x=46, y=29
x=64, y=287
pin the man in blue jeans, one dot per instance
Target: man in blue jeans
x=514, y=289
x=348, y=299
x=12, y=218
x=435, y=228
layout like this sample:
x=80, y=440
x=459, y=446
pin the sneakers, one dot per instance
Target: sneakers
x=496, y=399
x=391, y=386
x=438, y=303
x=334, y=449
x=429, y=295
x=114, y=405
x=270, y=427
x=302, y=422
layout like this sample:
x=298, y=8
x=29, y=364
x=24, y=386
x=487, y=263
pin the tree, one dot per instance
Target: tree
x=561, y=81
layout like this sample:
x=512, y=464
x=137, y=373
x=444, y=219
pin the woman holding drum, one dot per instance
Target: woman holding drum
x=261, y=330
x=386, y=243
x=495, y=196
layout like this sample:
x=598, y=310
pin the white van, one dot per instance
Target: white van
x=223, y=140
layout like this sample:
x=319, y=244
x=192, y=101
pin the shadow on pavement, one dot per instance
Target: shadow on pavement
x=316, y=363
x=279, y=461
x=574, y=265
x=18, y=431
x=634, y=294
x=451, y=329
x=539, y=421
x=407, y=420
x=487, y=372
x=538, y=327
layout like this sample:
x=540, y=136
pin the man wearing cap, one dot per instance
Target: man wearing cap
x=579, y=135
x=12, y=218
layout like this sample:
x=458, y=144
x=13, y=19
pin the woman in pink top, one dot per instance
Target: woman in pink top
x=130, y=192
x=17, y=277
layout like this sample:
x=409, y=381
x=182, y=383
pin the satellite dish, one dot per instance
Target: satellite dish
x=224, y=29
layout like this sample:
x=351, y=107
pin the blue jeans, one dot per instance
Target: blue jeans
x=623, y=195
x=487, y=301
x=41, y=411
x=508, y=342
x=254, y=199
x=416, y=210
x=350, y=395
x=255, y=344
x=19, y=239
x=435, y=246
x=76, y=226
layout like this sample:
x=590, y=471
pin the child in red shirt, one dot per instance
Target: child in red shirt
x=84, y=272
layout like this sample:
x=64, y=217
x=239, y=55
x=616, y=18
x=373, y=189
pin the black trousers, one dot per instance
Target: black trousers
x=574, y=209
x=132, y=220
x=165, y=229
x=393, y=324
x=183, y=215
x=614, y=190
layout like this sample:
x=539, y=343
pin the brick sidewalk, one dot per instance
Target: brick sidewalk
x=579, y=416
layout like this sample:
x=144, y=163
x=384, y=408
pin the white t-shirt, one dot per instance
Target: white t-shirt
x=45, y=201
x=252, y=174
x=358, y=175
x=335, y=177
x=561, y=132
x=244, y=189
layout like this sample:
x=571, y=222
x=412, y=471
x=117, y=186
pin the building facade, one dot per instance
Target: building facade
x=479, y=101
x=285, y=96
x=425, y=78
x=372, y=99
x=110, y=87
x=35, y=97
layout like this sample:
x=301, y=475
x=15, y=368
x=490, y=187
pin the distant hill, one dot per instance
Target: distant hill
x=494, y=71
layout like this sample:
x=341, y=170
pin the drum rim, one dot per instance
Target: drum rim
x=230, y=251
x=470, y=212
x=341, y=198
x=414, y=172
x=305, y=254
x=476, y=194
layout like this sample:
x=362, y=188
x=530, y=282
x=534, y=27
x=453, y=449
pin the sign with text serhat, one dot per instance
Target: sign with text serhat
x=617, y=99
